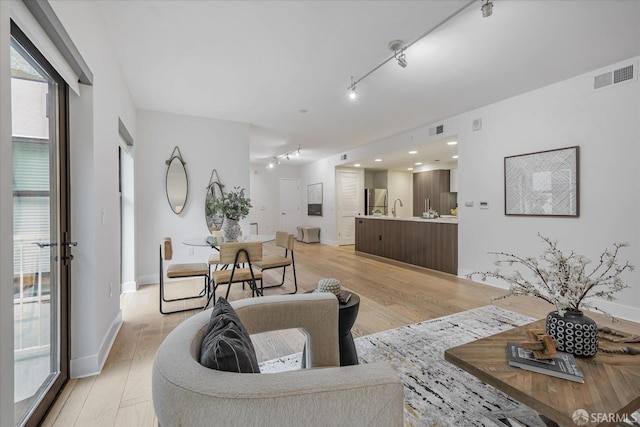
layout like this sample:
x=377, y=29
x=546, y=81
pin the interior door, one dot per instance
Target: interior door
x=349, y=190
x=40, y=230
x=289, y=204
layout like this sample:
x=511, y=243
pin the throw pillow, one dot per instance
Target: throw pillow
x=226, y=345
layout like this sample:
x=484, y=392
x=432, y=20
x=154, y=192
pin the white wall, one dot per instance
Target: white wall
x=6, y=224
x=322, y=171
x=265, y=195
x=206, y=144
x=95, y=310
x=606, y=126
x=127, y=225
x=400, y=186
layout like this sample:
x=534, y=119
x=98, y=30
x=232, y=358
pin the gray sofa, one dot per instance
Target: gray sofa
x=186, y=393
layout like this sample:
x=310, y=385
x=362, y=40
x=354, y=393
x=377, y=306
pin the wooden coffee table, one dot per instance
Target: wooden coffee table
x=611, y=388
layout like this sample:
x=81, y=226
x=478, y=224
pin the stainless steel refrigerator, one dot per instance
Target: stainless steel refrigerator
x=375, y=198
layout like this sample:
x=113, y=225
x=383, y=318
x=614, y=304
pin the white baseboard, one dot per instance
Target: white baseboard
x=92, y=365
x=129, y=287
x=618, y=311
x=147, y=280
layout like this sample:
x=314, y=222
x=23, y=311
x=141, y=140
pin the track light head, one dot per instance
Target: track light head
x=352, y=91
x=402, y=60
x=397, y=46
x=487, y=8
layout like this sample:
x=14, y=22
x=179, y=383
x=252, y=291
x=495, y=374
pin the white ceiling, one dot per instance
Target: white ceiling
x=262, y=62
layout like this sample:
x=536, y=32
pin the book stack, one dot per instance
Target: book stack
x=562, y=366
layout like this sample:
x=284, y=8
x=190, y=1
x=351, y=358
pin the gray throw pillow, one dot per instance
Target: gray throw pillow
x=226, y=345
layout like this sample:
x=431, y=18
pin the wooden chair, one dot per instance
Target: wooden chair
x=176, y=271
x=234, y=254
x=283, y=240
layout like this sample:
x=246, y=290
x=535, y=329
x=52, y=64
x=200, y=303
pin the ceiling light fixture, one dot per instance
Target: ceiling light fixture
x=357, y=165
x=454, y=157
x=286, y=156
x=452, y=142
x=413, y=152
x=402, y=61
x=487, y=8
x=377, y=160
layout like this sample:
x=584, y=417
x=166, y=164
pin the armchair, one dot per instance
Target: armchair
x=186, y=393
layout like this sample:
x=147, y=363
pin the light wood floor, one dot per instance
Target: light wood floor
x=391, y=296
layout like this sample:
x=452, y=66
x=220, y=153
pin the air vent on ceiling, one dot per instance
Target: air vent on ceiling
x=613, y=77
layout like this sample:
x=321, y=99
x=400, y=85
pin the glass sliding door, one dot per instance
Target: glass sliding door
x=41, y=253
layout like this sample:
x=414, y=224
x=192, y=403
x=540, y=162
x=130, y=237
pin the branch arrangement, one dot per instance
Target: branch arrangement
x=563, y=280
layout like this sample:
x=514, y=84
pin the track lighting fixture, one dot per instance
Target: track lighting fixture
x=487, y=8
x=352, y=90
x=286, y=156
x=398, y=52
x=399, y=47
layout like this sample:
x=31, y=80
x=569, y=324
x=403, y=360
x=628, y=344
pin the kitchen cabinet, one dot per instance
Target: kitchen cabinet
x=435, y=186
x=426, y=243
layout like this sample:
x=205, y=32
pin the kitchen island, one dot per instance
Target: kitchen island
x=430, y=243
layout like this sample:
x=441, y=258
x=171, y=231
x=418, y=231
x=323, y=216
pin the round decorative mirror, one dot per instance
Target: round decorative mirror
x=177, y=184
x=214, y=191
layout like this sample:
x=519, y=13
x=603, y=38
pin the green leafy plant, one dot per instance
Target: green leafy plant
x=233, y=205
x=562, y=279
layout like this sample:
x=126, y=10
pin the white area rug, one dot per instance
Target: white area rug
x=436, y=392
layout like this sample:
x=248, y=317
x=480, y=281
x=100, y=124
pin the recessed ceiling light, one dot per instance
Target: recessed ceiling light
x=413, y=152
x=377, y=160
x=357, y=165
x=452, y=142
x=454, y=157
x=418, y=163
x=303, y=111
x=409, y=169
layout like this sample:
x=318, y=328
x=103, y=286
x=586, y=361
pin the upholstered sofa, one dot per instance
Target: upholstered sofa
x=186, y=393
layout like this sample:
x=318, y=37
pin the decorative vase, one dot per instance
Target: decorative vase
x=573, y=333
x=230, y=229
x=329, y=285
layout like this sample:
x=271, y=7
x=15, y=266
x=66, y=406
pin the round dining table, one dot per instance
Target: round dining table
x=214, y=241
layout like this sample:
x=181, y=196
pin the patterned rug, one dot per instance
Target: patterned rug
x=436, y=392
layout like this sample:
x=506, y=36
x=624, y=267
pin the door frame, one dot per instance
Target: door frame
x=297, y=196
x=37, y=414
x=359, y=202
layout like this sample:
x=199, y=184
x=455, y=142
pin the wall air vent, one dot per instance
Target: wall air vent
x=614, y=77
x=343, y=157
x=436, y=130
x=602, y=80
x=623, y=74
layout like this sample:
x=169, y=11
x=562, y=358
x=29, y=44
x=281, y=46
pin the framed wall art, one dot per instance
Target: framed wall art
x=545, y=183
x=314, y=199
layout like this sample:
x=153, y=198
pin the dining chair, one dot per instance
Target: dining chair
x=181, y=271
x=236, y=254
x=283, y=240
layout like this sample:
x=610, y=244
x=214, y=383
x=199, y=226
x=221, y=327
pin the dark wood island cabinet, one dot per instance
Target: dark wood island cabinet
x=426, y=243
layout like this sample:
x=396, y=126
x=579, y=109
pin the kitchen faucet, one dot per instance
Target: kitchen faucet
x=393, y=211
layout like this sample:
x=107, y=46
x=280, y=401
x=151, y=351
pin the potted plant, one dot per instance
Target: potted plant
x=233, y=206
x=377, y=212
x=565, y=281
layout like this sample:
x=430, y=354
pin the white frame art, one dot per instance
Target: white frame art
x=545, y=183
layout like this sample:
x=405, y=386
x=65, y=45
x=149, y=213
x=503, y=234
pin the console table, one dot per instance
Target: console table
x=611, y=381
